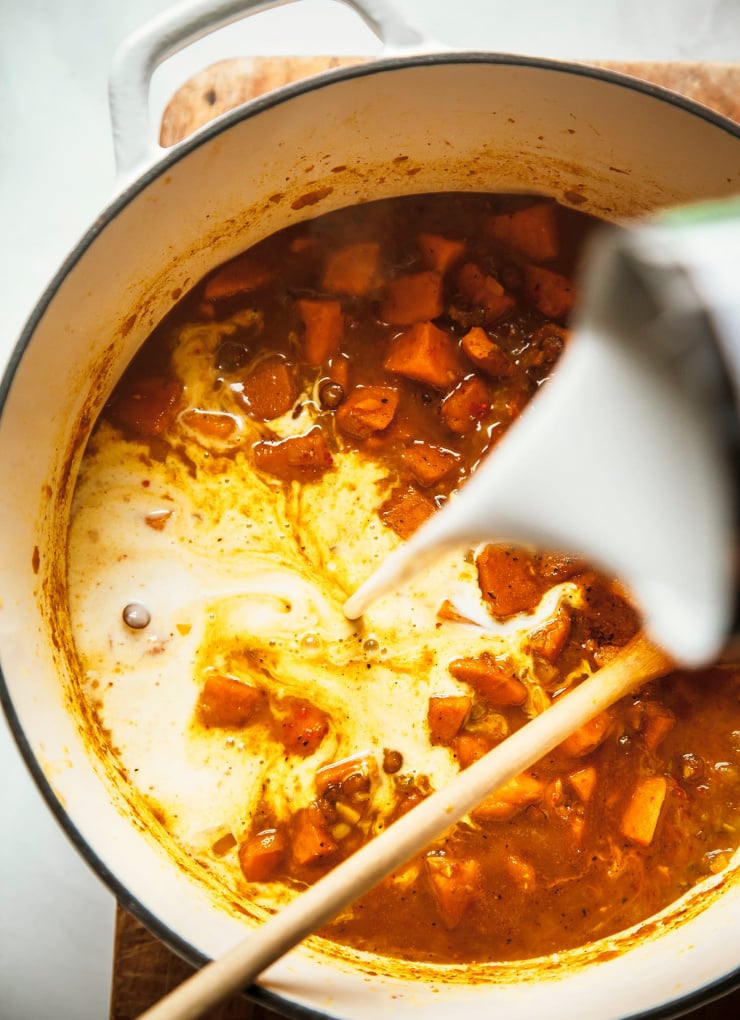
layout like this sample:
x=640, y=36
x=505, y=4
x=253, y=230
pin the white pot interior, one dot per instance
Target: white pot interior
x=454, y=124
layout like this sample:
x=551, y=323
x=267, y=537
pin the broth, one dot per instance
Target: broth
x=301, y=411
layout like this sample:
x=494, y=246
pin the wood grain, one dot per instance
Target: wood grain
x=229, y=83
x=144, y=969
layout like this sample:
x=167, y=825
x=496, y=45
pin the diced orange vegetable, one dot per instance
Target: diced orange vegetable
x=466, y=405
x=339, y=367
x=485, y=354
x=405, y=510
x=440, y=252
x=226, y=702
x=508, y=581
x=640, y=819
x=552, y=293
x=367, y=409
x=485, y=292
x=656, y=725
x=548, y=343
x=532, y=231
x=337, y=771
x=429, y=464
x=556, y=567
x=448, y=611
x=577, y=825
x=323, y=322
x=301, y=244
x=493, y=677
x=298, y=457
x=239, y=276
x=425, y=354
x=223, y=844
x=445, y=717
x=549, y=640
x=587, y=738
x=352, y=270
x=157, y=519
x=455, y=882
x=512, y=798
x=311, y=840
x=145, y=407
x=413, y=297
x=299, y=725
x=210, y=424
x=470, y=747
x=522, y=872
x=261, y=854
x=270, y=390
x=554, y=793
x=583, y=782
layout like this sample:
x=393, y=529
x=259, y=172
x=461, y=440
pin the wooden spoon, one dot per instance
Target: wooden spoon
x=637, y=663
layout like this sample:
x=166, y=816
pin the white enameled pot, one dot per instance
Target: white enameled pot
x=416, y=120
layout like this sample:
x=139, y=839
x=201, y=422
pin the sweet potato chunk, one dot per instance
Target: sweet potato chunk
x=548, y=343
x=367, y=409
x=512, y=798
x=485, y=292
x=656, y=725
x=493, y=677
x=521, y=872
x=270, y=390
x=145, y=407
x=352, y=270
x=323, y=322
x=336, y=772
x=455, y=883
x=445, y=717
x=470, y=747
x=226, y=702
x=532, y=231
x=299, y=725
x=486, y=355
x=261, y=854
x=508, y=580
x=429, y=464
x=303, y=457
x=239, y=276
x=555, y=567
x=301, y=244
x=587, y=738
x=339, y=371
x=425, y=354
x=439, y=252
x=311, y=839
x=210, y=424
x=640, y=819
x=552, y=293
x=466, y=405
x=405, y=510
x=549, y=640
x=412, y=298
x=583, y=782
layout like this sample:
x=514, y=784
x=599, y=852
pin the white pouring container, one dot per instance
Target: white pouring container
x=644, y=406
x=465, y=121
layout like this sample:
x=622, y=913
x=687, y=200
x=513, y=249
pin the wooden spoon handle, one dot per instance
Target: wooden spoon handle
x=637, y=663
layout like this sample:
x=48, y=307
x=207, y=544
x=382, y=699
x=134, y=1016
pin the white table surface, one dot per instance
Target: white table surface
x=56, y=173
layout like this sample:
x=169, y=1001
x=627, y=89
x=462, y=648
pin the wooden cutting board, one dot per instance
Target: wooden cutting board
x=143, y=968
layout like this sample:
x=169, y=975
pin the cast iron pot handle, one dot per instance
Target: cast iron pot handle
x=134, y=141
